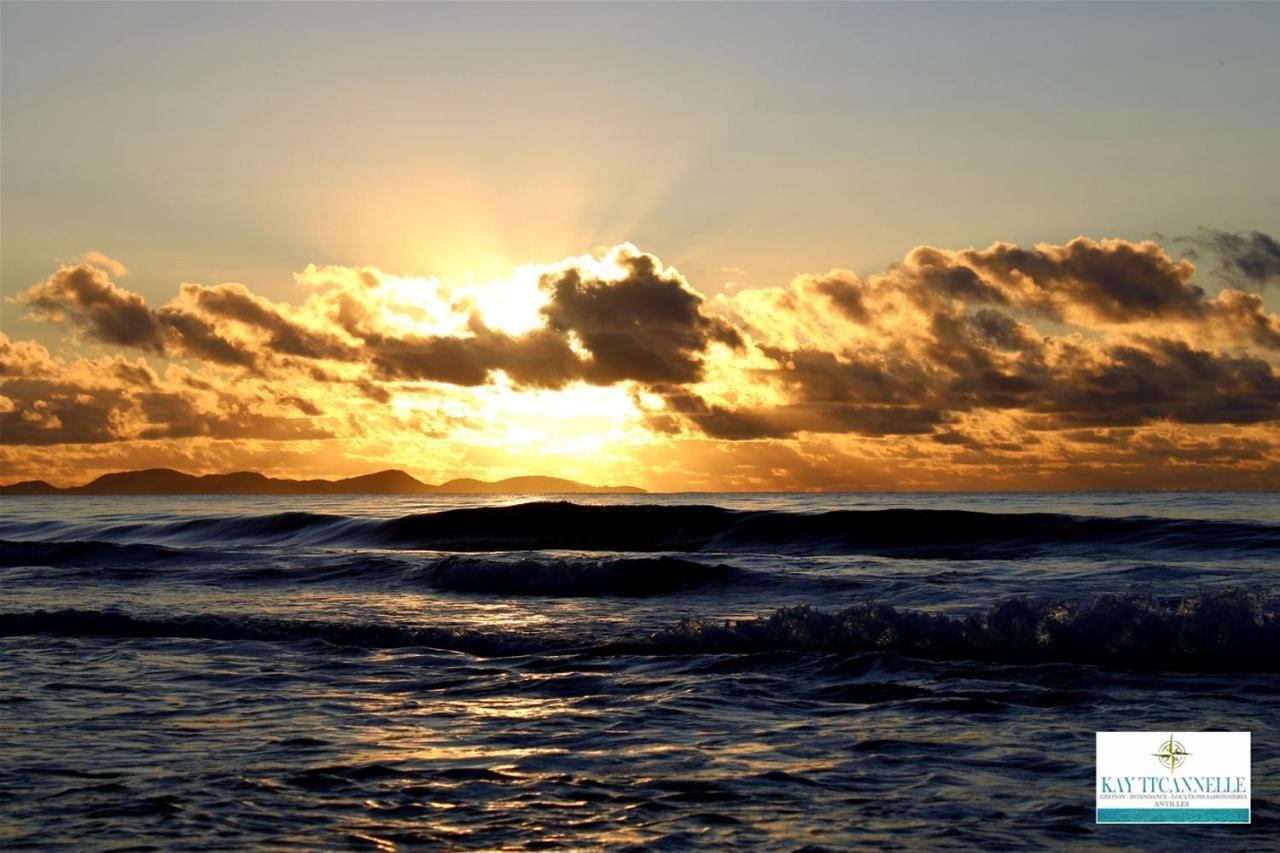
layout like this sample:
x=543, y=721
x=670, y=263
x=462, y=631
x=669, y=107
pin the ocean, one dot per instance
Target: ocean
x=780, y=671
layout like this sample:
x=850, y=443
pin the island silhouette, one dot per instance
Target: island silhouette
x=166, y=481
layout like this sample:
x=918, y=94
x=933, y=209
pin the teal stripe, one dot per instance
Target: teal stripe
x=1173, y=815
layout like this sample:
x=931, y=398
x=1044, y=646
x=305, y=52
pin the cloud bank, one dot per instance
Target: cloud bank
x=1092, y=362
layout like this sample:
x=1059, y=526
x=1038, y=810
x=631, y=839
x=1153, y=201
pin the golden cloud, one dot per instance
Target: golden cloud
x=1075, y=363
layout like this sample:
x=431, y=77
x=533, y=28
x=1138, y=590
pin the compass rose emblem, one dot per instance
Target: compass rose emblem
x=1172, y=754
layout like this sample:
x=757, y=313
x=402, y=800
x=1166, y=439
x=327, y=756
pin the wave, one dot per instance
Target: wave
x=564, y=577
x=642, y=576
x=904, y=533
x=939, y=534
x=367, y=635
x=1218, y=631
x=1226, y=629
x=558, y=577
x=89, y=554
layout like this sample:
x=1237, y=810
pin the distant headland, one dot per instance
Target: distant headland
x=166, y=481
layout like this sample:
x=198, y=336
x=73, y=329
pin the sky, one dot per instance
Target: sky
x=680, y=246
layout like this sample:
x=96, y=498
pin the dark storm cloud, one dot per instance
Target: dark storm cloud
x=821, y=377
x=1002, y=331
x=958, y=348
x=982, y=361
x=1163, y=381
x=538, y=359
x=135, y=375
x=648, y=327
x=785, y=421
x=1070, y=387
x=85, y=295
x=453, y=360
x=51, y=412
x=936, y=273
x=957, y=439
x=715, y=421
x=195, y=337
x=846, y=293
x=1119, y=281
x=235, y=302
x=68, y=410
x=1250, y=256
x=373, y=391
x=1151, y=380
x=302, y=405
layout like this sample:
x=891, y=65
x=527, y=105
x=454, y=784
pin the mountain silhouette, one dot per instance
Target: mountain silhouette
x=166, y=481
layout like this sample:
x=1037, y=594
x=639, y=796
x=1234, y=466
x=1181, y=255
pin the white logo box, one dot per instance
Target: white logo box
x=1173, y=777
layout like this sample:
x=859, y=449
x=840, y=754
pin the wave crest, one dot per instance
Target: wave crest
x=1226, y=629
x=1221, y=630
x=937, y=534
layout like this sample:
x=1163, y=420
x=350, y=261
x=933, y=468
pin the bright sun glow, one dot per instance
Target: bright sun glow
x=513, y=305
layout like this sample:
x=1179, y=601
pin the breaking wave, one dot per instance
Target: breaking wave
x=1222, y=630
x=1226, y=629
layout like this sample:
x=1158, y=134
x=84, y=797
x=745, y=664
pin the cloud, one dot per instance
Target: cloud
x=538, y=359
x=193, y=336
x=970, y=361
x=647, y=326
x=1065, y=386
x=48, y=412
x=85, y=296
x=1162, y=380
x=948, y=333
x=1251, y=257
x=111, y=399
x=786, y=421
x=234, y=303
x=111, y=265
x=1111, y=281
x=844, y=289
x=638, y=322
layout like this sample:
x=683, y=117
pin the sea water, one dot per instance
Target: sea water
x=664, y=671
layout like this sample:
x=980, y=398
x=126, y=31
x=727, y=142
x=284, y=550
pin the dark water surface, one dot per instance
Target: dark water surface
x=653, y=670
